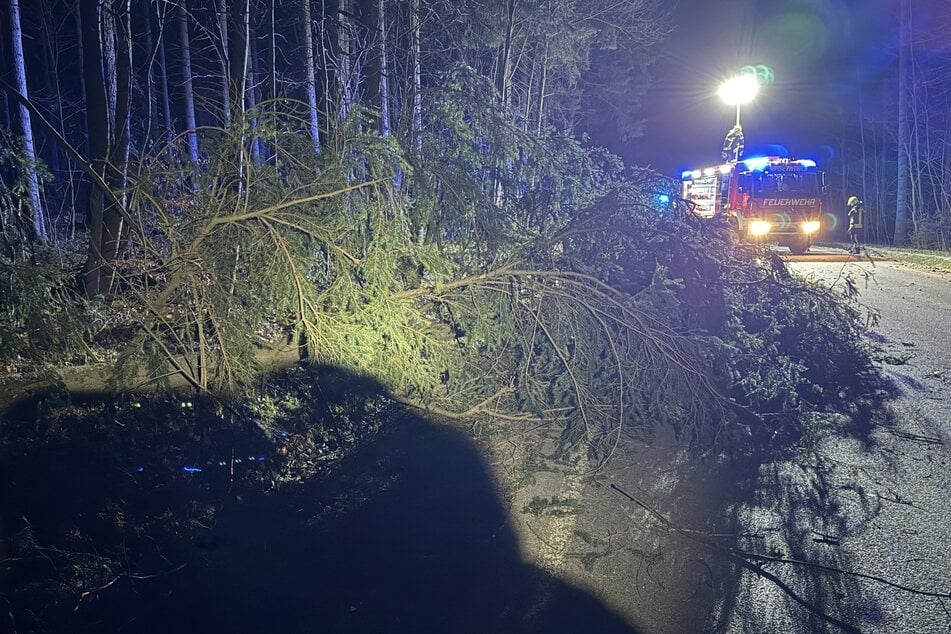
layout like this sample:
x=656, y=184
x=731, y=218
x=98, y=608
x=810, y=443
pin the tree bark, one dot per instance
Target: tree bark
x=373, y=14
x=225, y=64
x=345, y=59
x=903, y=224
x=121, y=142
x=253, y=79
x=310, y=83
x=151, y=97
x=97, y=135
x=6, y=117
x=384, y=71
x=504, y=76
x=190, y=125
x=108, y=125
x=163, y=79
x=416, y=124
x=29, y=151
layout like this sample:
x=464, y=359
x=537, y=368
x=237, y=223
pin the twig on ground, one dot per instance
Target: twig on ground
x=127, y=575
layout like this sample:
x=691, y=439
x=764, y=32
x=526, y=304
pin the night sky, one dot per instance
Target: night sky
x=822, y=53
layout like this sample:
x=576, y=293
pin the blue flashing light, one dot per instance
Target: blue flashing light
x=260, y=458
x=806, y=162
x=139, y=469
x=191, y=469
x=685, y=175
x=663, y=199
x=756, y=163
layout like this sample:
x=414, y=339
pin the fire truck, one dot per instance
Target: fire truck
x=767, y=199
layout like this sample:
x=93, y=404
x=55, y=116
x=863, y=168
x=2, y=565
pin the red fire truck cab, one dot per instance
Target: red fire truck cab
x=768, y=199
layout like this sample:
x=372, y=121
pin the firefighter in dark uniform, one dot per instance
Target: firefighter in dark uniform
x=855, y=213
x=733, y=144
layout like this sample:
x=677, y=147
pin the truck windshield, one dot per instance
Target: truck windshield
x=766, y=183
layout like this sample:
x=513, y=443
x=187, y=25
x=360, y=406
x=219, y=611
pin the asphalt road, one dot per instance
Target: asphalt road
x=879, y=507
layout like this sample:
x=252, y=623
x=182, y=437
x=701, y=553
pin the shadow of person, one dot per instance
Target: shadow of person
x=407, y=534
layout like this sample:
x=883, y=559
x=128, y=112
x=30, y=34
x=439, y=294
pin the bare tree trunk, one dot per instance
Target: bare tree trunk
x=271, y=148
x=29, y=151
x=902, y=209
x=79, y=206
x=345, y=72
x=107, y=38
x=863, y=148
x=543, y=86
x=151, y=97
x=225, y=63
x=273, y=59
x=187, y=83
x=114, y=229
x=384, y=73
x=251, y=91
x=6, y=117
x=503, y=77
x=529, y=96
x=242, y=73
x=51, y=51
x=374, y=67
x=163, y=79
x=97, y=134
x=416, y=125
x=311, y=80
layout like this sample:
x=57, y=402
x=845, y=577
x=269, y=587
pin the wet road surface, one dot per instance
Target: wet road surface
x=880, y=506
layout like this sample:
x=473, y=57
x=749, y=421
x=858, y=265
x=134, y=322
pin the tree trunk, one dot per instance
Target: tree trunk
x=345, y=59
x=163, y=79
x=311, y=79
x=373, y=13
x=51, y=77
x=326, y=58
x=504, y=76
x=542, y=88
x=187, y=83
x=6, y=117
x=903, y=225
x=416, y=125
x=120, y=144
x=273, y=60
x=272, y=147
x=225, y=63
x=384, y=72
x=108, y=125
x=19, y=69
x=151, y=97
x=251, y=94
x=107, y=43
x=97, y=135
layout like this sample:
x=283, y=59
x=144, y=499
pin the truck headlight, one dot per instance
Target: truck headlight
x=760, y=227
x=811, y=226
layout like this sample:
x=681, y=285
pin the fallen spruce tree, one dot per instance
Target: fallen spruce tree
x=486, y=273
x=492, y=273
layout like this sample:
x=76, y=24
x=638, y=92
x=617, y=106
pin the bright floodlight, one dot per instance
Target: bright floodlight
x=739, y=90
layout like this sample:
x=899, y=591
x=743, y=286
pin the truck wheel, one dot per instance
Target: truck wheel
x=798, y=247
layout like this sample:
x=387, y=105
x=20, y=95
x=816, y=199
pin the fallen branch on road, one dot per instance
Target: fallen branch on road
x=755, y=562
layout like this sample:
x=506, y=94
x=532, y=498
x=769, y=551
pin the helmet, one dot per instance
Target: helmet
x=853, y=200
